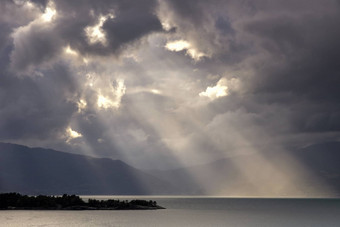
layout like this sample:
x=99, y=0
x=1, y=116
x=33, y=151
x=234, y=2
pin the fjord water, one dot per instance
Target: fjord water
x=191, y=211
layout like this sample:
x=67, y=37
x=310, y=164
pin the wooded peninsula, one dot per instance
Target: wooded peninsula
x=16, y=201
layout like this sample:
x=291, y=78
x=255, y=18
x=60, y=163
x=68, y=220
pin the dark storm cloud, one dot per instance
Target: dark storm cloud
x=38, y=42
x=34, y=46
x=8, y=11
x=41, y=3
x=129, y=27
x=284, y=53
x=42, y=107
x=132, y=20
x=290, y=47
x=31, y=108
x=4, y=36
x=305, y=49
x=35, y=109
x=303, y=53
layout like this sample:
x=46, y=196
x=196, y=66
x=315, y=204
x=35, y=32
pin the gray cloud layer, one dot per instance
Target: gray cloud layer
x=131, y=98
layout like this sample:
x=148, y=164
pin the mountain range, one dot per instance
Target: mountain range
x=313, y=171
x=45, y=171
x=310, y=171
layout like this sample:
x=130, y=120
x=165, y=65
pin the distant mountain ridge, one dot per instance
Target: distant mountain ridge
x=45, y=171
x=226, y=176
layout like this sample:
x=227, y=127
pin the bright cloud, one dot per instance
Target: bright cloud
x=81, y=105
x=177, y=45
x=104, y=102
x=74, y=55
x=180, y=45
x=112, y=99
x=70, y=51
x=219, y=90
x=96, y=34
x=50, y=12
x=195, y=54
x=72, y=134
x=155, y=91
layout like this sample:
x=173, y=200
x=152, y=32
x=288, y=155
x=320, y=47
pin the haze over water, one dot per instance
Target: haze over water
x=192, y=211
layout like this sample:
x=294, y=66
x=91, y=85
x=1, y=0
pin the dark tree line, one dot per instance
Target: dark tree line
x=18, y=201
x=8, y=200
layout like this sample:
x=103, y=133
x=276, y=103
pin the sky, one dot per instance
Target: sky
x=162, y=84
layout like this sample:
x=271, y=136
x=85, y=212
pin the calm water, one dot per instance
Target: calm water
x=189, y=211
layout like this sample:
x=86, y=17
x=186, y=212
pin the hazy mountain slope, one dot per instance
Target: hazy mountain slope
x=324, y=161
x=38, y=170
x=311, y=171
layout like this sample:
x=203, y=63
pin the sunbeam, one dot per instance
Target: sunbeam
x=208, y=98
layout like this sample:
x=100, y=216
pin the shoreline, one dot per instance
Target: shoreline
x=16, y=201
